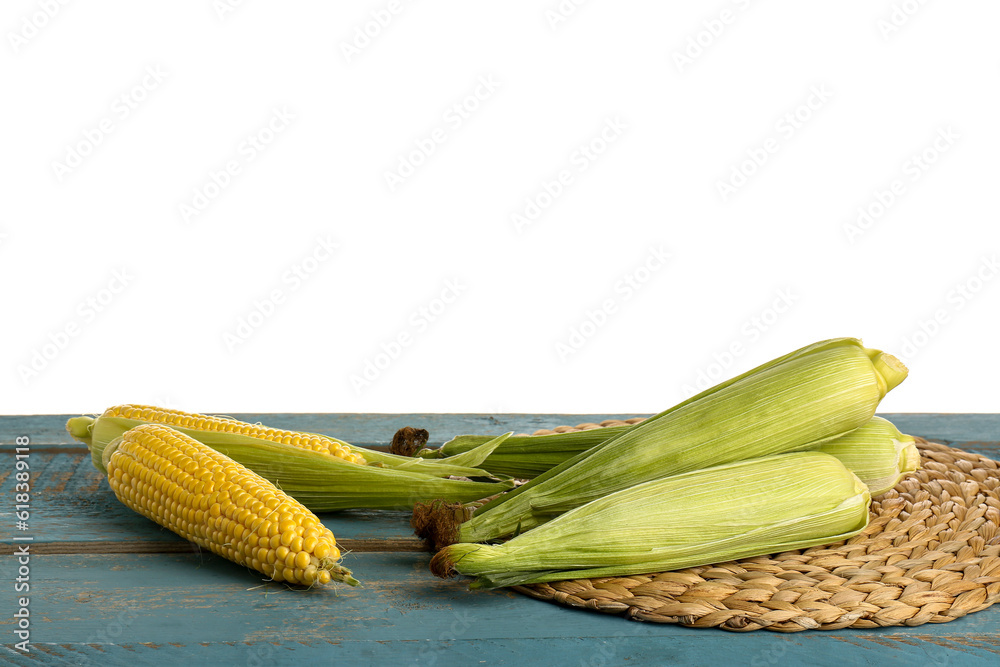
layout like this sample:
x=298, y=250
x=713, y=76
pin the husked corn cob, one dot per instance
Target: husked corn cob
x=795, y=402
x=323, y=473
x=176, y=418
x=218, y=504
x=738, y=510
x=219, y=432
x=877, y=453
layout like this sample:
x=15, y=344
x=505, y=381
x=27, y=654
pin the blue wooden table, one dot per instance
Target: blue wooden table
x=109, y=587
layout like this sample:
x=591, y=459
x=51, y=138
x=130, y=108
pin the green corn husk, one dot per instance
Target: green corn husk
x=321, y=482
x=527, y=456
x=738, y=510
x=97, y=433
x=877, y=453
x=798, y=401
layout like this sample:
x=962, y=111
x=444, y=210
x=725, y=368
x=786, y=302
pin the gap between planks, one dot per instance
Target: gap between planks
x=113, y=547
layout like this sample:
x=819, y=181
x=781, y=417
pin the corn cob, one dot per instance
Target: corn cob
x=219, y=424
x=217, y=430
x=738, y=510
x=877, y=453
x=797, y=401
x=218, y=504
x=333, y=476
x=212, y=429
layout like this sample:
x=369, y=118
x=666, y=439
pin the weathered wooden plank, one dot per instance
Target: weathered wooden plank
x=706, y=647
x=181, y=546
x=976, y=432
x=71, y=502
x=168, y=609
x=361, y=429
x=184, y=608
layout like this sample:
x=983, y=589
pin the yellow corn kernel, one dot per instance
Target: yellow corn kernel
x=159, y=453
x=311, y=471
x=213, y=424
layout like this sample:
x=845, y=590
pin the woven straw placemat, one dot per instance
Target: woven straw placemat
x=930, y=554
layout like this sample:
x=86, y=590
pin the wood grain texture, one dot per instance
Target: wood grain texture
x=376, y=430
x=183, y=546
x=165, y=609
x=360, y=429
x=702, y=649
x=72, y=502
x=116, y=589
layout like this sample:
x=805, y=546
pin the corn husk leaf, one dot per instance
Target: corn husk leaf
x=97, y=433
x=527, y=456
x=318, y=481
x=797, y=401
x=738, y=510
x=877, y=453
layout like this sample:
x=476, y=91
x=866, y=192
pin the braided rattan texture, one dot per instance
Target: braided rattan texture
x=930, y=554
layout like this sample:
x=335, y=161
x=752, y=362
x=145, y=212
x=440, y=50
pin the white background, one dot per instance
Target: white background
x=684, y=119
